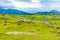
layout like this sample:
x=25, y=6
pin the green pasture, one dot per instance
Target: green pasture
x=42, y=30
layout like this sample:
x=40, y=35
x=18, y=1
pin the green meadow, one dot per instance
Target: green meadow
x=29, y=27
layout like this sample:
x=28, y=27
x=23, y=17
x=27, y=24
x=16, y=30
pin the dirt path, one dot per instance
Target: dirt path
x=22, y=33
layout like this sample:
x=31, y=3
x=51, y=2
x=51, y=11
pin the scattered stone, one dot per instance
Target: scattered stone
x=33, y=21
x=48, y=23
x=54, y=16
x=29, y=21
x=18, y=22
x=58, y=31
x=31, y=30
x=18, y=16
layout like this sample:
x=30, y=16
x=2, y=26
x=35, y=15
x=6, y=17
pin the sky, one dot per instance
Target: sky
x=31, y=6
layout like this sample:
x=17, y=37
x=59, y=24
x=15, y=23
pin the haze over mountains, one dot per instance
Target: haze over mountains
x=15, y=11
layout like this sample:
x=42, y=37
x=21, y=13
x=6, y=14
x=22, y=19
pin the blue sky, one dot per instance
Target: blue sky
x=31, y=5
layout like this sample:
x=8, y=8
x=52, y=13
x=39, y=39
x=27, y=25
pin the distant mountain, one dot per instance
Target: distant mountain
x=54, y=12
x=41, y=13
x=2, y=11
x=48, y=13
x=13, y=11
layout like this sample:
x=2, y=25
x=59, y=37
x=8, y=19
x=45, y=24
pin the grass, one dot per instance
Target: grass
x=42, y=30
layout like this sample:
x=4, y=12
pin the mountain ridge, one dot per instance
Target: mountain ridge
x=48, y=13
x=13, y=11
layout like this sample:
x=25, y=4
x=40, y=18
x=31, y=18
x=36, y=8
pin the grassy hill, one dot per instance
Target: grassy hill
x=29, y=27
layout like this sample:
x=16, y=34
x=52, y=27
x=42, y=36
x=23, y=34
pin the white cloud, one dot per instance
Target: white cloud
x=53, y=6
x=25, y=5
x=37, y=1
x=5, y=4
x=34, y=5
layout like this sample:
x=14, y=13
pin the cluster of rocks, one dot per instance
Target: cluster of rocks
x=48, y=23
x=27, y=21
